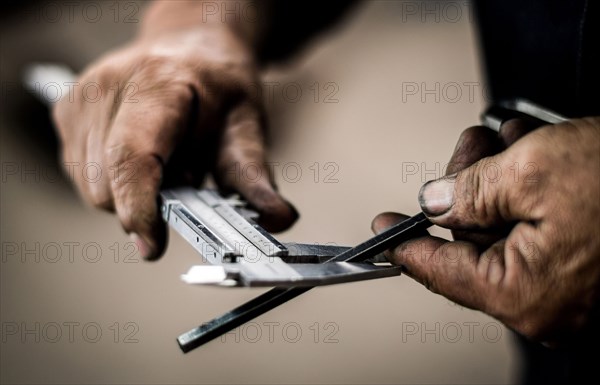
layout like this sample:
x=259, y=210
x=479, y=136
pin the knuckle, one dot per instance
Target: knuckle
x=533, y=152
x=470, y=187
x=154, y=76
x=481, y=195
x=115, y=154
x=153, y=70
x=131, y=164
x=119, y=154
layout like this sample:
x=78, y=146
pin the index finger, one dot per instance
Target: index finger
x=141, y=139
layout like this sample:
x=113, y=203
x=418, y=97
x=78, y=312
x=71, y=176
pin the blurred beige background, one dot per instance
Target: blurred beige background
x=368, y=131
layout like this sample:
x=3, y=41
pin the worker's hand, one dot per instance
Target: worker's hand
x=169, y=107
x=527, y=226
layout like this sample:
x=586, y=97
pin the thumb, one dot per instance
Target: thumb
x=480, y=196
x=242, y=167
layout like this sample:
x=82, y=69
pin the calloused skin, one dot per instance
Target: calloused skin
x=177, y=102
x=527, y=245
x=524, y=208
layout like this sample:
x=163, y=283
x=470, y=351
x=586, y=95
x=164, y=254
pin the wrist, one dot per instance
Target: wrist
x=170, y=16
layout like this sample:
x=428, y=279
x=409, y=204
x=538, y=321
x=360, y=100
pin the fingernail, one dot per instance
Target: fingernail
x=142, y=246
x=437, y=196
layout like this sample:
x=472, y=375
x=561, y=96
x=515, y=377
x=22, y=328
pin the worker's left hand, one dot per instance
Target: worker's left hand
x=526, y=227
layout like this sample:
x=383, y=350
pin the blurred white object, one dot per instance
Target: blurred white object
x=202, y=275
x=49, y=82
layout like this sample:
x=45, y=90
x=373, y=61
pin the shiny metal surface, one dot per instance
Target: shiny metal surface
x=279, y=295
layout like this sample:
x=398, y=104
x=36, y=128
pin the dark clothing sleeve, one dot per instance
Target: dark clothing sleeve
x=543, y=50
x=288, y=25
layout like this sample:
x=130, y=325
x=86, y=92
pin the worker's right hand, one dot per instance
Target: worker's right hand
x=172, y=108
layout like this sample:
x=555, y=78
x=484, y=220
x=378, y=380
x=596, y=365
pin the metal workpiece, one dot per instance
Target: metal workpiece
x=306, y=274
x=281, y=274
x=303, y=266
x=505, y=110
x=240, y=315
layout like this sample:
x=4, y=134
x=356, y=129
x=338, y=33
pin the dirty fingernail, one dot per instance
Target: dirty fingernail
x=436, y=197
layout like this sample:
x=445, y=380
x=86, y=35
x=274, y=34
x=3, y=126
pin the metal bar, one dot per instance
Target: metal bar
x=237, y=317
x=277, y=296
x=383, y=241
